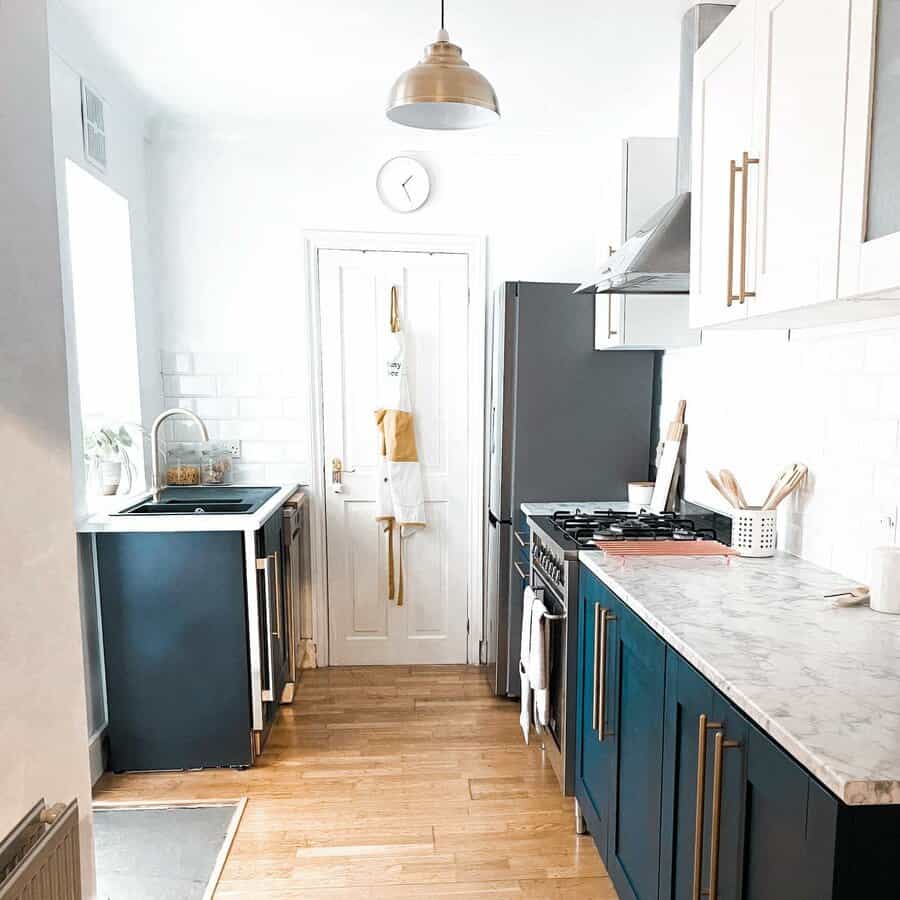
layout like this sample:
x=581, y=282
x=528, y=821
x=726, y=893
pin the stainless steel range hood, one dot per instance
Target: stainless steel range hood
x=656, y=259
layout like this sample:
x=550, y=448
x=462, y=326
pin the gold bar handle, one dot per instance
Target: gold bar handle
x=605, y=618
x=730, y=296
x=704, y=726
x=744, y=169
x=720, y=747
x=278, y=597
x=596, y=666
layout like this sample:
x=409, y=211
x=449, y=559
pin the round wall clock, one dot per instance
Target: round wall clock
x=403, y=184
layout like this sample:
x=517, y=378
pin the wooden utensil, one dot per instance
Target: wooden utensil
x=781, y=479
x=731, y=483
x=721, y=488
x=789, y=487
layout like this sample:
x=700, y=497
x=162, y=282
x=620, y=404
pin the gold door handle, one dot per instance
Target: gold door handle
x=600, y=663
x=730, y=296
x=720, y=747
x=746, y=162
x=705, y=725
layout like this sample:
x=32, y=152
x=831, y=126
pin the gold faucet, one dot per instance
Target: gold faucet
x=154, y=441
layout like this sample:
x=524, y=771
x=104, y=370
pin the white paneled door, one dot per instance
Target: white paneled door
x=367, y=627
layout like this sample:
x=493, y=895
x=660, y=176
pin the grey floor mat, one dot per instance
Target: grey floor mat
x=158, y=854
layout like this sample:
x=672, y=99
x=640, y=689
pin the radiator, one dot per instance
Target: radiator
x=39, y=859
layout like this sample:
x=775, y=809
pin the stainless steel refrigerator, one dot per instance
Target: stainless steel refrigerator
x=567, y=422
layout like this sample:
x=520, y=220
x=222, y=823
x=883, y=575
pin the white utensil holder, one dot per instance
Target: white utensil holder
x=754, y=532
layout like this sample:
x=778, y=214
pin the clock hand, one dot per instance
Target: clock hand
x=408, y=180
x=405, y=191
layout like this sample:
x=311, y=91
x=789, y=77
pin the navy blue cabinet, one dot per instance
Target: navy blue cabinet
x=686, y=798
x=594, y=752
x=638, y=692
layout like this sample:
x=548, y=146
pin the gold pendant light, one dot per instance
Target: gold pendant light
x=442, y=92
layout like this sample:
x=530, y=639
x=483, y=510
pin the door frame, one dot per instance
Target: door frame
x=475, y=248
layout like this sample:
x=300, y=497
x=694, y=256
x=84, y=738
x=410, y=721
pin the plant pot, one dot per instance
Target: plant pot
x=110, y=477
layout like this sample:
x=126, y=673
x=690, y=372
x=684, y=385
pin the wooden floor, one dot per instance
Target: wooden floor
x=393, y=782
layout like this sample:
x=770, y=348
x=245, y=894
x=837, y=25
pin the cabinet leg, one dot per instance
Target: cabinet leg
x=580, y=824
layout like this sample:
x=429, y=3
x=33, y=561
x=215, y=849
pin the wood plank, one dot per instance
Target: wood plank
x=393, y=782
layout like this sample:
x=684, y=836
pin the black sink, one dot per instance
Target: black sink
x=203, y=500
x=177, y=508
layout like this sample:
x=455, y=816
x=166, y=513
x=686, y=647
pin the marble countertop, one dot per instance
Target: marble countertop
x=108, y=521
x=823, y=681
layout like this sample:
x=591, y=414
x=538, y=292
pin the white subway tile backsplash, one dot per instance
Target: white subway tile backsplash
x=883, y=353
x=238, y=385
x=830, y=400
x=190, y=385
x=216, y=407
x=258, y=399
x=176, y=363
x=215, y=363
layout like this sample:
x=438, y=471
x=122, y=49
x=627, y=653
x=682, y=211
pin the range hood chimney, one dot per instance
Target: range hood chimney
x=656, y=258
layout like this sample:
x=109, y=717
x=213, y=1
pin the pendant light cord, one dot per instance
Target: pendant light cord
x=442, y=15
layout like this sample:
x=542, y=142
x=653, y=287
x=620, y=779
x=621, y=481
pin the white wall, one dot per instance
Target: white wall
x=73, y=55
x=229, y=212
x=827, y=398
x=42, y=699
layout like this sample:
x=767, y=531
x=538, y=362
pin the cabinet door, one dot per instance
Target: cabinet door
x=870, y=222
x=722, y=130
x=689, y=697
x=593, y=763
x=638, y=691
x=801, y=84
x=788, y=854
x=609, y=321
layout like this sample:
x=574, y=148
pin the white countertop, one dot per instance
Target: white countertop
x=824, y=682
x=109, y=522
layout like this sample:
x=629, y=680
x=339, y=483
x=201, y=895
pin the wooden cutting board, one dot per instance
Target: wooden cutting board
x=665, y=548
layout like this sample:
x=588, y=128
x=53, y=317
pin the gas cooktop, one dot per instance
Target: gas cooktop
x=583, y=527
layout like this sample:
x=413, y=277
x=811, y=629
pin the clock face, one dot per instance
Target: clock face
x=403, y=184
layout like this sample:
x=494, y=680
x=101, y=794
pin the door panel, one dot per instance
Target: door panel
x=800, y=142
x=722, y=131
x=639, y=691
x=367, y=628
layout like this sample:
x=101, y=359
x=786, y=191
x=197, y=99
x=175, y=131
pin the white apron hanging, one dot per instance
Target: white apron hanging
x=400, y=497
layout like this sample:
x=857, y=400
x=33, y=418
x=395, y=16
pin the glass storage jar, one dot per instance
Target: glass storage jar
x=182, y=466
x=215, y=464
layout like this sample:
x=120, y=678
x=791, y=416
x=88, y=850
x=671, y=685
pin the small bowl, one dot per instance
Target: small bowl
x=640, y=492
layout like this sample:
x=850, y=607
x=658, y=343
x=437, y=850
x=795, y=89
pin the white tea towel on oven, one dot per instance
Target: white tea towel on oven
x=538, y=661
x=524, y=658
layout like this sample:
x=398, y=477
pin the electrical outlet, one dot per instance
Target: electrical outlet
x=234, y=447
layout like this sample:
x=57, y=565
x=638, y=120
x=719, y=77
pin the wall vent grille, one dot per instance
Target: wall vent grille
x=93, y=124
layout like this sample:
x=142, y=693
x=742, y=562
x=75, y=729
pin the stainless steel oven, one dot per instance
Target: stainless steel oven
x=554, y=572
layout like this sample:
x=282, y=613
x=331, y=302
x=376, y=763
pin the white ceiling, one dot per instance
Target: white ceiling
x=583, y=65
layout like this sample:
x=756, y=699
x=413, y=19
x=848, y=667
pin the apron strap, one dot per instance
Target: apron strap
x=389, y=531
x=395, y=310
x=400, y=566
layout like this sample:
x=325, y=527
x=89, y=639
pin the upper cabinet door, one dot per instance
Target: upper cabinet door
x=801, y=82
x=870, y=237
x=722, y=131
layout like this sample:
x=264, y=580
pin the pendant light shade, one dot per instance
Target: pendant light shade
x=442, y=92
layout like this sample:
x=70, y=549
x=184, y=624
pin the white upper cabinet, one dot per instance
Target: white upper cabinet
x=800, y=78
x=870, y=239
x=812, y=216
x=721, y=198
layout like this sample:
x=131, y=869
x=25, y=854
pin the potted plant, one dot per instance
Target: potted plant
x=106, y=451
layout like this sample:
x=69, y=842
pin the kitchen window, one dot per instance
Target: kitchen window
x=103, y=317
